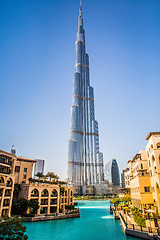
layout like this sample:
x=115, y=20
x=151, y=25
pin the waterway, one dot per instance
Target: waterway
x=95, y=223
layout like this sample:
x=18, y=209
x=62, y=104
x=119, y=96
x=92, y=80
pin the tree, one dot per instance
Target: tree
x=50, y=175
x=20, y=207
x=34, y=205
x=39, y=175
x=125, y=199
x=17, y=188
x=62, y=190
x=115, y=201
x=11, y=229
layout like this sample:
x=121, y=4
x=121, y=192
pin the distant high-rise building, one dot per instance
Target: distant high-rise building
x=85, y=162
x=123, y=179
x=39, y=166
x=112, y=172
x=13, y=150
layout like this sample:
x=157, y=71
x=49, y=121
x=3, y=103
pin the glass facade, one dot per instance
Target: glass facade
x=38, y=166
x=85, y=162
x=112, y=172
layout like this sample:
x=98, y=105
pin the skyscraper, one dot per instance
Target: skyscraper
x=112, y=172
x=85, y=162
x=39, y=166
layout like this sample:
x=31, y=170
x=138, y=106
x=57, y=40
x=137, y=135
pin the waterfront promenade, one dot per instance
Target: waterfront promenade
x=95, y=223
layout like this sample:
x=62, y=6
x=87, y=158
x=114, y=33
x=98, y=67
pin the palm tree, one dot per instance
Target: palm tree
x=44, y=177
x=39, y=175
x=50, y=175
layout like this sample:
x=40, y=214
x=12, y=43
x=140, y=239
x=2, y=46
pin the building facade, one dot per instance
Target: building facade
x=122, y=179
x=39, y=167
x=142, y=177
x=112, y=173
x=52, y=197
x=7, y=179
x=85, y=162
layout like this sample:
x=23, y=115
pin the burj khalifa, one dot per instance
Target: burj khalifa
x=85, y=161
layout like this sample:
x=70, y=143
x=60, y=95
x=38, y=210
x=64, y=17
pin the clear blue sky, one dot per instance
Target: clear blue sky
x=37, y=54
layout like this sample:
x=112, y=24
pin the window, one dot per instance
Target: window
x=17, y=168
x=147, y=189
x=153, y=158
x=25, y=169
x=158, y=145
x=141, y=166
x=24, y=176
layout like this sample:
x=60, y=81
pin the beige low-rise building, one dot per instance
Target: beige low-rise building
x=127, y=176
x=23, y=170
x=51, y=196
x=7, y=179
x=153, y=156
x=142, y=176
x=140, y=184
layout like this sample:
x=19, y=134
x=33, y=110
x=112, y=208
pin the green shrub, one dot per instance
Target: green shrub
x=69, y=207
x=53, y=209
x=12, y=228
x=139, y=220
x=135, y=210
x=29, y=215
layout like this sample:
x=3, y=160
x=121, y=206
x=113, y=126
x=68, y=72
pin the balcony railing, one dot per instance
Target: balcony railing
x=5, y=204
x=44, y=203
x=44, y=195
x=34, y=195
x=7, y=163
x=7, y=195
x=5, y=172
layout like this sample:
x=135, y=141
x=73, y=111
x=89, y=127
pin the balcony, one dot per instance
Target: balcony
x=35, y=195
x=7, y=194
x=6, y=204
x=5, y=170
x=44, y=195
x=4, y=162
x=53, y=203
x=44, y=203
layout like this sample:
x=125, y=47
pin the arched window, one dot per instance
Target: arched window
x=9, y=182
x=1, y=180
x=141, y=166
x=54, y=193
x=71, y=193
x=34, y=193
x=44, y=193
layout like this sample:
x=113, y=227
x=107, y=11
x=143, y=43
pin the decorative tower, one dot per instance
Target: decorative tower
x=85, y=162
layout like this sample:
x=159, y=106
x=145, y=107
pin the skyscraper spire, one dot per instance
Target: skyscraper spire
x=80, y=3
x=80, y=9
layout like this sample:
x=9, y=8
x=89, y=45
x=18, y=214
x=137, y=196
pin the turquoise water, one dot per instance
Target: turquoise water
x=95, y=223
